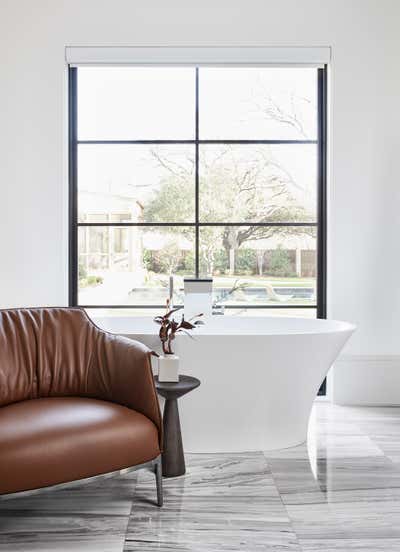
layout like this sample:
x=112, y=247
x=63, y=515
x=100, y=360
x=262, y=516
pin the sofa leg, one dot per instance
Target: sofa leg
x=158, y=474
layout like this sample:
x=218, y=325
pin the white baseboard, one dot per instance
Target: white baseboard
x=367, y=380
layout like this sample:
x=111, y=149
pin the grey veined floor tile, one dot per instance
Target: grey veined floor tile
x=92, y=517
x=346, y=520
x=295, y=478
x=351, y=545
x=55, y=543
x=225, y=502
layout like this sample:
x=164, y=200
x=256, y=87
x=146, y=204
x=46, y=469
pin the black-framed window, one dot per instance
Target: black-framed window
x=198, y=172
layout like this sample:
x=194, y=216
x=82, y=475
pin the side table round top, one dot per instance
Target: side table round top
x=176, y=389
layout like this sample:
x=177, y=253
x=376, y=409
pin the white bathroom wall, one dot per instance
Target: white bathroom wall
x=366, y=380
x=364, y=196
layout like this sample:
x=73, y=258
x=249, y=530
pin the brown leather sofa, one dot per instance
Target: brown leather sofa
x=75, y=401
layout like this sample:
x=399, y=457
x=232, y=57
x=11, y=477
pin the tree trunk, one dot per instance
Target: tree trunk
x=260, y=262
x=231, y=261
x=209, y=257
x=230, y=243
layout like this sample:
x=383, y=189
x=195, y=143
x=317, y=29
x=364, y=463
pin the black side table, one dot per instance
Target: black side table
x=173, y=460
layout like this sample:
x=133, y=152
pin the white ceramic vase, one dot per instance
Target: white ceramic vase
x=168, y=368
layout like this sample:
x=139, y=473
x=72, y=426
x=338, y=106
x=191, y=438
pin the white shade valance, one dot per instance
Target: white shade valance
x=130, y=55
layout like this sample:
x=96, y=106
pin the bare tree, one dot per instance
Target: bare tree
x=235, y=188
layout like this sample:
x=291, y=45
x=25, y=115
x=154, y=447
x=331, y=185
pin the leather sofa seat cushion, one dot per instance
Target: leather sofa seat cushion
x=54, y=440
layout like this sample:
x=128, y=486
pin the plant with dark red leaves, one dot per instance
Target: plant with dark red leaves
x=170, y=327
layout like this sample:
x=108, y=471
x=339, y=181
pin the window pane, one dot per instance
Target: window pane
x=136, y=103
x=132, y=265
x=258, y=103
x=283, y=312
x=239, y=311
x=136, y=183
x=258, y=183
x=260, y=265
x=98, y=312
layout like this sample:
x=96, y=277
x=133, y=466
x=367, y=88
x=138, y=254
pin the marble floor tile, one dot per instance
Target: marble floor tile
x=358, y=473
x=293, y=476
x=304, y=481
x=343, y=446
x=300, y=452
x=389, y=444
x=351, y=545
x=354, y=496
x=394, y=458
x=219, y=471
x=225, y=502
x=51, y=543
x=62, y=532
x=350, y=520
x=90, y=518
x=207, y=535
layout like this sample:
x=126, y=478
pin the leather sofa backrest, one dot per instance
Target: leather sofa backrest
x=46, y=352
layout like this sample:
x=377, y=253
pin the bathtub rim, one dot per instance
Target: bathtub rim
x=130, y=326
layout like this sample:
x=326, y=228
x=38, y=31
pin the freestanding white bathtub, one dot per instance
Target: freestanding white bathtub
x=259, y=377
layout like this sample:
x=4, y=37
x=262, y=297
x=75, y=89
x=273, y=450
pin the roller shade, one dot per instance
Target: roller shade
x=101, y=55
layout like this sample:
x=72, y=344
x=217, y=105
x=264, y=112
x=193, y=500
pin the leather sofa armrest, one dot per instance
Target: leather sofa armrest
x=123, y=374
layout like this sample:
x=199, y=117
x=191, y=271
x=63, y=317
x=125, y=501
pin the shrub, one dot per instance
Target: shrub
x=90, y=281
x=82, y=269
x=221, y=261
x=246, y=262
x=279, y=263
